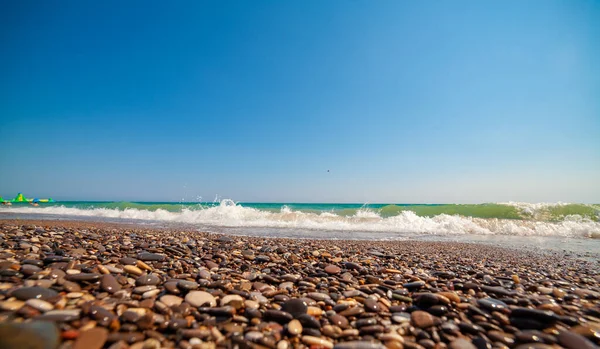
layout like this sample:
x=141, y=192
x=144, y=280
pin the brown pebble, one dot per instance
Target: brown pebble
x=91, y=339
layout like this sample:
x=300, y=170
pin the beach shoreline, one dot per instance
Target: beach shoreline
x=128, y=285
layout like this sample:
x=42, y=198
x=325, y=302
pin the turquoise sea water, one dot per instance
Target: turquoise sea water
x=541, y=212
x=559, y=226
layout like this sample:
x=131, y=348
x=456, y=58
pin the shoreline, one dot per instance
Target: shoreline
x=127, y=285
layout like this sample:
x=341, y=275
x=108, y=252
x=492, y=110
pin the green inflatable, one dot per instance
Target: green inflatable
x=21, y=198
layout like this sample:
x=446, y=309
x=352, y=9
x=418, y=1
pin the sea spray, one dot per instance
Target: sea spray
x=510, y=219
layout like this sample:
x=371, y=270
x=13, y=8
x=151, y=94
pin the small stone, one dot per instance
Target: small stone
x=152, y=257
x=132, y=269
x=492, y=304
x=234, y=300
x=339, y=321
x=12, y=305
x=187, y=285
x=294, y=327
x=147, y=280
x=311, y=340
x=359, y=345
x=295, y=306
x=571, y=340
x=332, y=269
x=25, y=293
x=171, y=300
x=422, y=319
x=278, y=315
x=200, y=298
x=40, y=305
x=461, y=343
x=372, y=305
x=30, y=335
x=91, y=339
x=109, y=284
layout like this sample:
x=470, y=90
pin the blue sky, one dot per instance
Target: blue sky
x=449, y=101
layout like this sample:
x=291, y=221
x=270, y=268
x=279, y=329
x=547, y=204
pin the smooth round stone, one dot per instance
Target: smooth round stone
x=318, y=296
x=234, y=300
x=29, y=269
x=332, y=269
x=171, y=287
x=152, y=257
x=25, y=293
x=30, y=335
x=278, y=315
x=128, y=261
x=74, y=295
x=401, y=317
x=492, y=304
x=358, y=345
x=372, y=305
x=354, y=311
x=438, y=310
x=56, y=274
x=415, y=285
x=109, y=284
x=295, y=306
x=339, y=321
x=147, y=280
x=253, y=336
x=114, y=270
x=171, y=300
x=262, y=259
x=151, y=293
x=311, y=340
x=250, y=304
x=365, y=322
x=200, y=298
x=571, y=340
x=132, y=269
x=91, y=339
x=294, y=327
x=71, y=286
x=84, y=277
x=12, y=305
x=461, y=343
x=187, y=285
x=309, y=321
x=143, y=289
x=421, y=319
x=65, y=315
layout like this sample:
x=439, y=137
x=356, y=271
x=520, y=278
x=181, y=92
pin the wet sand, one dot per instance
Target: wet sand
x=93, y=285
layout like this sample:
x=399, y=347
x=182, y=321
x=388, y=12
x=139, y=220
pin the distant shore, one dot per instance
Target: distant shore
x=126, y=285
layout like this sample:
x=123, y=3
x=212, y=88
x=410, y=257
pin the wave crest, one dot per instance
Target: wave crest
x=230, y=214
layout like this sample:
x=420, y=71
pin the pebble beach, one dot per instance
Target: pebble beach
x=87, y=285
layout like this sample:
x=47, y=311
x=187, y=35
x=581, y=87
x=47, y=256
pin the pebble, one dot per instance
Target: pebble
x=170, y=300
x=311, y=340
x=294, y=327
x=421, y=319
x=91, y=339
x=461, y=343
x=109, y=284
x=332, y=269
x=132, y=269
x=39, y=304
x=295, y=307
x=200, y=298
x=30, y=335
x=147, y=289
x=25, y=293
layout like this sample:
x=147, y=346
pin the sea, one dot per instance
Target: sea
x=570, y=228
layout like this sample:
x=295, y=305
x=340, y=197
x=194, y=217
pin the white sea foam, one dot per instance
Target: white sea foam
x=228, y=214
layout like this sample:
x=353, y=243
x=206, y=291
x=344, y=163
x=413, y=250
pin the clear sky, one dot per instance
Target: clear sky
x=402, y=101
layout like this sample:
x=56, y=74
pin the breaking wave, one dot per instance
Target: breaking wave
x=517, y=219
